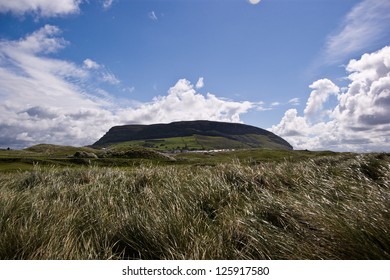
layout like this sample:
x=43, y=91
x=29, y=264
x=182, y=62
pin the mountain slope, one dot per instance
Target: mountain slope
x=246, y=135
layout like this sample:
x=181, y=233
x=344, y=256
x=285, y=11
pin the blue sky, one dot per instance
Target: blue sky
x=315, y=72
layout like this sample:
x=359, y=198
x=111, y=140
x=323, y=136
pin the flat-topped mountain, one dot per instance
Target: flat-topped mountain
x=202, y=135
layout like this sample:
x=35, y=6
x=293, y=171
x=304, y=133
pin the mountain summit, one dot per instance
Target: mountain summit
x=206, y=134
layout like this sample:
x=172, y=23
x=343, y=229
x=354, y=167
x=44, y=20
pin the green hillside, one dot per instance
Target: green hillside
x=202, y=142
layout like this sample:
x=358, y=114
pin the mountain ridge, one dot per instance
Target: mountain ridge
x=232, y=131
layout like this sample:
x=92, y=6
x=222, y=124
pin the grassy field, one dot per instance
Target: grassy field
x=253, y=204
x=133, y=153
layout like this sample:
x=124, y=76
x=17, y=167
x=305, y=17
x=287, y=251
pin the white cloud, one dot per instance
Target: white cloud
x=129, y=89
x=90, y=64
x=322, y=89
x=42, y=96
x=363, y=26
x=291, y=124
x=45, y=8
x=254, y=2
x=26, y=71
x=152, y=15
x=200, y=83
x=259, y=106
x=101, y=71
x=275, y=104
x=47, y=100
x=110, y=78
x=294, y=101
x=184, y=103
x=360, y=121
x=107, y=4
x=366, y=104
x=24, y=137
x=44, y=40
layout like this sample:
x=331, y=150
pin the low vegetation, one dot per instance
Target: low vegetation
x=291, y=205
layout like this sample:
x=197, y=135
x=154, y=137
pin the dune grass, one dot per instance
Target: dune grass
x=331, y=207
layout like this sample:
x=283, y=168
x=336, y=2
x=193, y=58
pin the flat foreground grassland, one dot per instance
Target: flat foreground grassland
x=325, y=207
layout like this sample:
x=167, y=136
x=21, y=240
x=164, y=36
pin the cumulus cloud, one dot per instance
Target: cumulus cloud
x=367, y=23
x=45, y=8
x=366, y=104
x=48, y=100
x=291, y=124
x=360, y=121
x=200, y=83
x=322, y=89
x=183, y=103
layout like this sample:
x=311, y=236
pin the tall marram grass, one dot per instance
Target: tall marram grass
x=328, y=208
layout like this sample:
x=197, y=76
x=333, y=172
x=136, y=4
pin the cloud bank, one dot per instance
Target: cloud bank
x=48, y=100
x=360, y=120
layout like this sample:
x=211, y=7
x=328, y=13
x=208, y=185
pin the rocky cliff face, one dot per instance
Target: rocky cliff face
x=232, y=131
